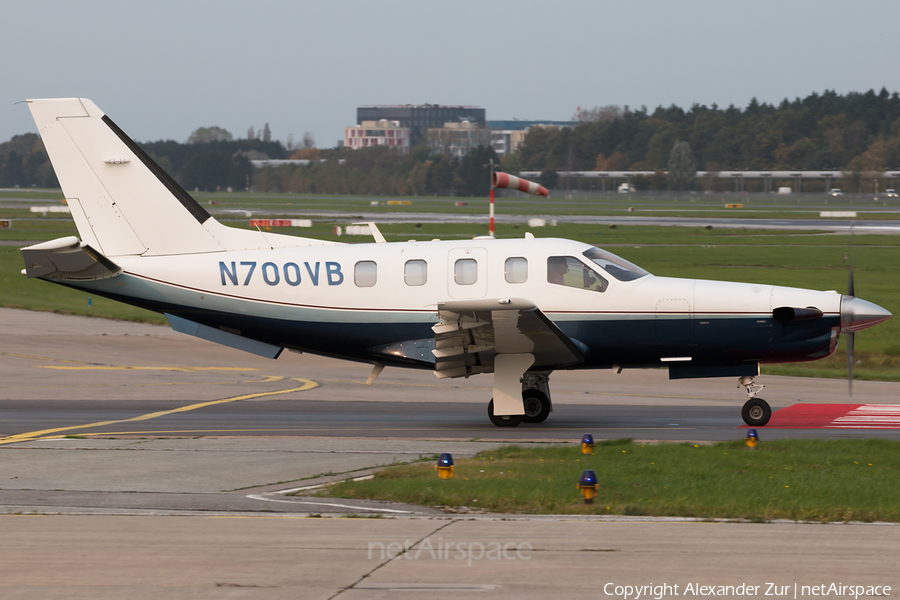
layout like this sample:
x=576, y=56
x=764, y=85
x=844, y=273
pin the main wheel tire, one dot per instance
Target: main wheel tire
x=502, y=421
x=537, y=406
x=756, y=412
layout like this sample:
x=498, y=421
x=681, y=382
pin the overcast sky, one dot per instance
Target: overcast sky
x=161, y=69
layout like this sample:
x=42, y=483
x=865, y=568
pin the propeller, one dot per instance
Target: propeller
x=851, y=291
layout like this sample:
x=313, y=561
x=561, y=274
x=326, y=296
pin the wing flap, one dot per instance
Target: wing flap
x=471, y=333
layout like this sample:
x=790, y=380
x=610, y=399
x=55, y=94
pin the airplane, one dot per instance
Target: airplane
x=517, y=308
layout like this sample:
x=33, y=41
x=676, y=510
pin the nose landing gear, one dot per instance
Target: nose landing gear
x=756, y=411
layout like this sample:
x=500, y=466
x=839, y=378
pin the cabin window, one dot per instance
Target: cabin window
x=415, y=272
x=516, y=270
x=465, y=271
x=571, y=272
x=365, y=273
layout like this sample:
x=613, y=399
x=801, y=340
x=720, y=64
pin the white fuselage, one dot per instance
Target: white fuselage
x=312, y=291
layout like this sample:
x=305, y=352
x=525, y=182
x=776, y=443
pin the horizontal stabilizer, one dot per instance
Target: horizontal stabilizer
x=232, y=340
x=67, y=258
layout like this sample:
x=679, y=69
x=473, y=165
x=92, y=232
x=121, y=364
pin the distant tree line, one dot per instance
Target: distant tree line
x=213, y=165
x=24, y=163
x=379, y=171
x=213, y=161
x=855, y=133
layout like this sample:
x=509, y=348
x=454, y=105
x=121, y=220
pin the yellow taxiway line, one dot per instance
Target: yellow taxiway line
x=130, y=368
x=31, y=436
x=84, y=366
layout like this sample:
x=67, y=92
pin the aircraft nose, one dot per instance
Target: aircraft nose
x=858, y=314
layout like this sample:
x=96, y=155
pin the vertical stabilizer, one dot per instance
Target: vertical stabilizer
x=123, y=203
x=121, y=200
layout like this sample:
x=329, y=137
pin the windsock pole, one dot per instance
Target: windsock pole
x=505, y=180
x=492, y=212
x=490, y=167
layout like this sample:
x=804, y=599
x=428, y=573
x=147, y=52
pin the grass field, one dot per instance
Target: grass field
x=806, y=259
x=808, y=480
x=802, y=206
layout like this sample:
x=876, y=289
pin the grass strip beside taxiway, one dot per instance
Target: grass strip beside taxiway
x=806, y=480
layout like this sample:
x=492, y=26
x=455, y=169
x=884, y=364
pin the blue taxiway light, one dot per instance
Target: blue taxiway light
x=588, y=478
x=587, y=444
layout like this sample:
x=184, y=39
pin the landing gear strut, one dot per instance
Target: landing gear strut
x=756, y=411
x=535, y=401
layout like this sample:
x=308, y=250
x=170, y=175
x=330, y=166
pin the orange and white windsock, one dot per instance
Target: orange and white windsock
x=505, y=180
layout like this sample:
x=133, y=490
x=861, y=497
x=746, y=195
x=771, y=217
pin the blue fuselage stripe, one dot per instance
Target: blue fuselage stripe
x=624, y=340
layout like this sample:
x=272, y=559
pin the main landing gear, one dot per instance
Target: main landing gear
x=535, y=399
x=756, y=411
x=504, y=421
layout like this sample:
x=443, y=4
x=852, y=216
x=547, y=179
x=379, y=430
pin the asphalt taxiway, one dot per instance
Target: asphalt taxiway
x=135, y=460
x=89, y=377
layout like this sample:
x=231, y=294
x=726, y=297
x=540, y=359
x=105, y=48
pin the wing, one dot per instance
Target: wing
x=471, y=333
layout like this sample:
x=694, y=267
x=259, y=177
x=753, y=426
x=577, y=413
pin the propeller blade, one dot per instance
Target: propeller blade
x=851, y=288
x=850, y=336
x=851, y=291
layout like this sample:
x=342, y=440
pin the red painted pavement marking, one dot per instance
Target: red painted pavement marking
x=836, y=416
x=808, y=416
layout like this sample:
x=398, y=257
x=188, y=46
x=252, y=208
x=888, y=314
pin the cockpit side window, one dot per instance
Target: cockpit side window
x=616, y=266
x=571, y=272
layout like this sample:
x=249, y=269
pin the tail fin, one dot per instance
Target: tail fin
x=122, y=202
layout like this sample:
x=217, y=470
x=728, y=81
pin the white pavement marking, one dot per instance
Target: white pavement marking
x=261, y=497
x=869, y=416
x=266, y=498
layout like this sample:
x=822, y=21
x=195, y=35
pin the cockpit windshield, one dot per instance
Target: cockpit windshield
x=618, y=267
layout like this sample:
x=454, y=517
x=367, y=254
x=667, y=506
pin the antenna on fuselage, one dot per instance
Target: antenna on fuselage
x=373, y=229
x=271, y=247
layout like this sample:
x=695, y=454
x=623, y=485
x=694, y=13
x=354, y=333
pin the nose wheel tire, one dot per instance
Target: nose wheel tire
x=537, y=406
x=756, y=412
x=502, y=421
